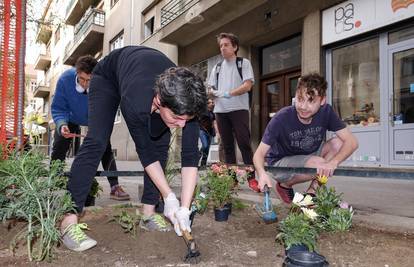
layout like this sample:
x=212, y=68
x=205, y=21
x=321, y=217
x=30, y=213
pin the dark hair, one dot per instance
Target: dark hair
x=312, y=82
x=85, y=64
x=232, y=37
x=182, y=91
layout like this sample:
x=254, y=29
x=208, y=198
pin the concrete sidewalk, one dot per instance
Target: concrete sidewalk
x=381, y=203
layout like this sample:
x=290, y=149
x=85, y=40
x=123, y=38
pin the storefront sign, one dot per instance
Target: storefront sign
x=358, y=16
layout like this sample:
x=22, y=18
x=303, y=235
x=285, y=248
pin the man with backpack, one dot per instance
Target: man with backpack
x=230, y=83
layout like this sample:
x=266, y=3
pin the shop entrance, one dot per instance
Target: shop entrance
x=276, y=92
x=401, y=96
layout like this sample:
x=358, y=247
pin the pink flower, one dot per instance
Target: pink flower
x=344, y=205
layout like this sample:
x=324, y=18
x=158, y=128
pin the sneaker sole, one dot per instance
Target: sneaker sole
x=119, y=198
x=281, y=198
x=87, y=246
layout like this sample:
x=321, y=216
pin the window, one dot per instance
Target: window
x=149, y=28
x=117, y=41
x=118, y=116
x=33, y=86
x=355, y=83
x=281, y=56
x=401, y=35
x=113, y=2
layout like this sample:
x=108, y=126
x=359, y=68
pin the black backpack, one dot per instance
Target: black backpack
x=239, y=64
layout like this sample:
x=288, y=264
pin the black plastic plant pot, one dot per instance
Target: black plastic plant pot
x=229, y=206
x=221, y=214
x=305, y=259
x=295, y=248
x=90, y=201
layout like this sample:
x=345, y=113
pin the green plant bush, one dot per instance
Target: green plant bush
x=296, y=229
x=339, y=220
x=34, y=192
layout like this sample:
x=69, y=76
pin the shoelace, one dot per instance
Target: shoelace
x=76, y=232
x=159, y=220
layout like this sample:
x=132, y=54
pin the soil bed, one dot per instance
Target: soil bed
x=242, y=241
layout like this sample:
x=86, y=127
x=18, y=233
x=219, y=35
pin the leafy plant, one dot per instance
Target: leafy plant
x=339, y=220
x=95, y=189
x=200, y=199
x=127, y=221
x=326, y=201
x=296, y=229
x=220, y=188
x=32, y=191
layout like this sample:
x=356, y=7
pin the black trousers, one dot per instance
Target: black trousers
x=104, y=100
x=235, y=123
x=61, y=146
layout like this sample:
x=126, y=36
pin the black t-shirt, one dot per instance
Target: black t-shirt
x=133, y=70
x=287, y=136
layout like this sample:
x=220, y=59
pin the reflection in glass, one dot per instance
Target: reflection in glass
x=403, y=105
x=401, y=35
x=282, y=55
x=273, y=92
x=355, y=83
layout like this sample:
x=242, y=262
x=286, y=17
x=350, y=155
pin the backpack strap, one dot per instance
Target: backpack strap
x=239, y=64
x=218, y=67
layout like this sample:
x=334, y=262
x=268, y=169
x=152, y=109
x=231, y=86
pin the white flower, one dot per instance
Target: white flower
x=297, y=198
x=301, y=201
x=307, y=201
x=311, y=214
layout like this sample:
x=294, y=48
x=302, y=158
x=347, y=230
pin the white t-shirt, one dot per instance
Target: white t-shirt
x=229, y=79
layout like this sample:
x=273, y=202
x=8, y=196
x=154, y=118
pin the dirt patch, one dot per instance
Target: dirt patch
x=242, y=241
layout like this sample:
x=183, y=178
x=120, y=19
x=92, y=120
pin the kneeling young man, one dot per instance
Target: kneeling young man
x=295, y=137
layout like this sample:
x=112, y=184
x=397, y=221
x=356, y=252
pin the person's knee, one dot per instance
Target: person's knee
x=314, y=161
x=334, y=145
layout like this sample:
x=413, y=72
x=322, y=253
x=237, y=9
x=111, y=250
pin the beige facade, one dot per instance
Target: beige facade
x=185, y=31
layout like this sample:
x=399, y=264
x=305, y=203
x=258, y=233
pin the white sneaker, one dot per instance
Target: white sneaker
x=74, y=238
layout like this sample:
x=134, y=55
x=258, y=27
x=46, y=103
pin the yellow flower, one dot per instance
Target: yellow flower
x=322, y=179
x=310, y=213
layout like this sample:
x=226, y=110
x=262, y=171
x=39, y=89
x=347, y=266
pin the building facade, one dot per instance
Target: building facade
x=366, y=56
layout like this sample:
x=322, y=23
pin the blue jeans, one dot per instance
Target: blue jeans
x=205, y=139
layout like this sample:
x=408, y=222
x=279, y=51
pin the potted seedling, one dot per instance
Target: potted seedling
x=220, y=186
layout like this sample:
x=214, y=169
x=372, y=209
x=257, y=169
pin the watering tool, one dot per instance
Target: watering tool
x=266, y=211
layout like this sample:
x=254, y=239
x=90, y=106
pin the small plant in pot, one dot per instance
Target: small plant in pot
x=221, y=186
x=93, y=193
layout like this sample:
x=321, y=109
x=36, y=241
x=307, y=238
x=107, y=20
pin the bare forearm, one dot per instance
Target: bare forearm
x=242, y=89
x=347, y=148
x=189, y=181
x=258, y=161
x=157, y=176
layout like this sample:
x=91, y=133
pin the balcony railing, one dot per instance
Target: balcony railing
x=92, y=16
x=175, y=8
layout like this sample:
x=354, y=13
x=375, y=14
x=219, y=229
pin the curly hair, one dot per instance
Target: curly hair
x=312, y=82
x=85, y=64
x=182, y=91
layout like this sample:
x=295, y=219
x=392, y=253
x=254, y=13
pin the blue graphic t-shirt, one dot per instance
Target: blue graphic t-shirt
x=287, y=136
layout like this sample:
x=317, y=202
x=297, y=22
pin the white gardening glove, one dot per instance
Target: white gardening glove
x=183, y=217
x=217, y=93
x=171, y=205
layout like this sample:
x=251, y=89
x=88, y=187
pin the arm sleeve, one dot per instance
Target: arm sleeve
x=247, y=71
x=334, y=122
x=272, y=132
x=59, y=108
x=189, y=150
x=213, y=77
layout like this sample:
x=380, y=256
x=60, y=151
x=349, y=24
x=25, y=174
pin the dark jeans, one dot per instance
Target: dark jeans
x=235, y=124
x=205, y=139
x=61, y=146
x=104, y=99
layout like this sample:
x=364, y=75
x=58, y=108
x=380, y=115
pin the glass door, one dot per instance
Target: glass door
x=276, y=93
x=401, y=115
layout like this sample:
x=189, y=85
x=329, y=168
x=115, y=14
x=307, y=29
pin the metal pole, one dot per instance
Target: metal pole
x=21, y=15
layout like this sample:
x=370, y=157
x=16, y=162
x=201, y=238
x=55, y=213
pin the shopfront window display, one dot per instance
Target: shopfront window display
x=355, y=77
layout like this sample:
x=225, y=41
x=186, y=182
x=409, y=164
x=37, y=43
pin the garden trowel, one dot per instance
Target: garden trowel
x=265, y=210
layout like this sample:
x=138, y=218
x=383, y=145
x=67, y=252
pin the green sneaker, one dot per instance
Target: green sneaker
x=75, y=239
x=154, y=222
